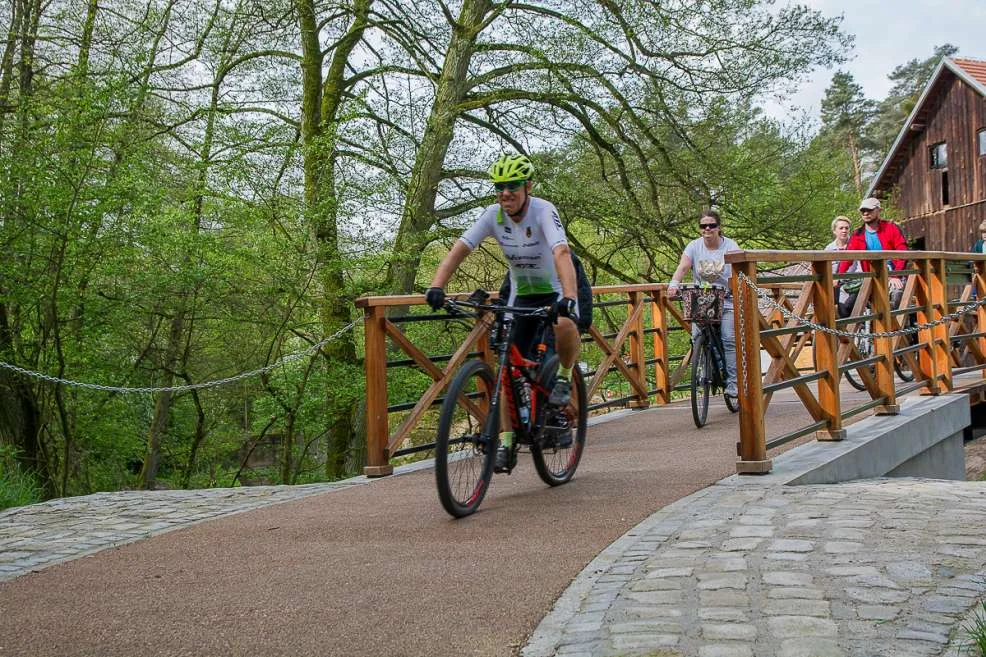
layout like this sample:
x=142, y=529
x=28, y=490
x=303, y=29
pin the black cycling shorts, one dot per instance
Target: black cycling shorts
x=525, y=328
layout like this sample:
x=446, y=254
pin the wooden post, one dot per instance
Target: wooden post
x=636, y=350
x=752, y=447
x=662, y=368
x=827, y=352
x=942, y=346
x=928, y=362
x=979, y=292
x=375, y=365
x=883, y=322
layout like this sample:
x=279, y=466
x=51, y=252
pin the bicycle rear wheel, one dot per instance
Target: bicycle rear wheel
x=463, y=455
x=903, y=364
x=554, y=460
x=701, y=380
x=864, y=344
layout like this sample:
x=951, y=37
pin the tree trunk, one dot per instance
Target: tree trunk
x=321, y=103
x=418, y=215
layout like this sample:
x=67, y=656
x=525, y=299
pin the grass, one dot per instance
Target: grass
x=977, y=632
x=17, y=488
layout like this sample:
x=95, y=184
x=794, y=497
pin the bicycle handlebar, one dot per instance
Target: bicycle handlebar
x=453, y=306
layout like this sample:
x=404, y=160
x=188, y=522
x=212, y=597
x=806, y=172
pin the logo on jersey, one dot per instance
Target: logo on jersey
x=527, y=232
x=557, y=220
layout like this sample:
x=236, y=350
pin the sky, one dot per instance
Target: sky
x=890, y=33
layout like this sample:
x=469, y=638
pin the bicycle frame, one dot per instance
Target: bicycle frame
x=512, y=369
x=713, y=337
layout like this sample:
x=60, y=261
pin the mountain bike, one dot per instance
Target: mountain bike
x=703, y=305
x=469, y=424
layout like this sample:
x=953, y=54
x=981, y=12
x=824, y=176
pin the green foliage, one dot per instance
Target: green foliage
x=17, y=487
x=155, y=233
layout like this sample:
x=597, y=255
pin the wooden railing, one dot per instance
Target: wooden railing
x=945, y=349
x=639, y=340
x=631, y=344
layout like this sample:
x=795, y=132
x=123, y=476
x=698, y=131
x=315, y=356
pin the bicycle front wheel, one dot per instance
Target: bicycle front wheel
x=463, y=454
x=701, y=380
x=558, y=452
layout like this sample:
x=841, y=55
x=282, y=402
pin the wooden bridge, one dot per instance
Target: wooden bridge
x=638, y=351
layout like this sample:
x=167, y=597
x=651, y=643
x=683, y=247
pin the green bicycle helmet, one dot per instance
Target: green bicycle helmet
x=511, y=167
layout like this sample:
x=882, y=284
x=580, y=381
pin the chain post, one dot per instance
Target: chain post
x=883, y=324
x=752, y=448
x=978, y=292
x=826, y=349
x=636, y=351
x=659, y=320
x=943, y=343
x=375, y=367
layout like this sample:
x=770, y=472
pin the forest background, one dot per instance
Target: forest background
x=196, y=191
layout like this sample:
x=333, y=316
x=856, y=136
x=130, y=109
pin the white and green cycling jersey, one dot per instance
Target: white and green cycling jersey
x=527, y=245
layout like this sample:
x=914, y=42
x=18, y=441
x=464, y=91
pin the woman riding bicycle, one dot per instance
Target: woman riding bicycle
x=529, y=231
x=705, y=257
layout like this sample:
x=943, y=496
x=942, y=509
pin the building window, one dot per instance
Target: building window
x=939, y=156
x=981, y=138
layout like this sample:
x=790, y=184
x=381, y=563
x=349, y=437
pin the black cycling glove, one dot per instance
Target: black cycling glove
x=564, y=307
x=435, y=296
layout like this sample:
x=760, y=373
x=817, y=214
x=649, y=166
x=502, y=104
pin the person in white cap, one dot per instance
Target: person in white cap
x=876, y=234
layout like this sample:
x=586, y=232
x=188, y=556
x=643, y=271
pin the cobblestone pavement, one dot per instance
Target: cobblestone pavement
x=39, y=535
x=871, y=569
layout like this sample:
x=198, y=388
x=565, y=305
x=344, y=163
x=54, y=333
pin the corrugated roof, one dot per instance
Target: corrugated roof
x=974, y=67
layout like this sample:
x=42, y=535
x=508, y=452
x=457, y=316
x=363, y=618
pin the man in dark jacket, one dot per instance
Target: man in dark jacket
x=875, y=235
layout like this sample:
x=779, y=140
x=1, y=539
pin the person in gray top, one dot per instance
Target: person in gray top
x=705, y=257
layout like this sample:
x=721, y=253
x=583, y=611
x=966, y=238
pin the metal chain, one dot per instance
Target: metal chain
x=763, y=294
x=192, y=386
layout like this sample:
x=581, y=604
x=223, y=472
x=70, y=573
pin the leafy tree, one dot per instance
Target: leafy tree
x=908, y=80
x=513, y=75
x=845, y=115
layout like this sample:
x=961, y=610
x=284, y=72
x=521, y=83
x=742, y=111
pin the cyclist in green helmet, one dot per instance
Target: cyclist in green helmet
x=533, y=240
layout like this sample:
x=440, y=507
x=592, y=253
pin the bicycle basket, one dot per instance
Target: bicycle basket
x=703, y=304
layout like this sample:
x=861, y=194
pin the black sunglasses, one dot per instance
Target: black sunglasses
x=702, y=226
x=511, y=186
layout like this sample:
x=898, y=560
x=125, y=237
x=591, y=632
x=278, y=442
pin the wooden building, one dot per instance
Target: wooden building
x=935, y=173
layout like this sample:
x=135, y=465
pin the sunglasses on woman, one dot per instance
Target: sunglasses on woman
x=702, y=226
